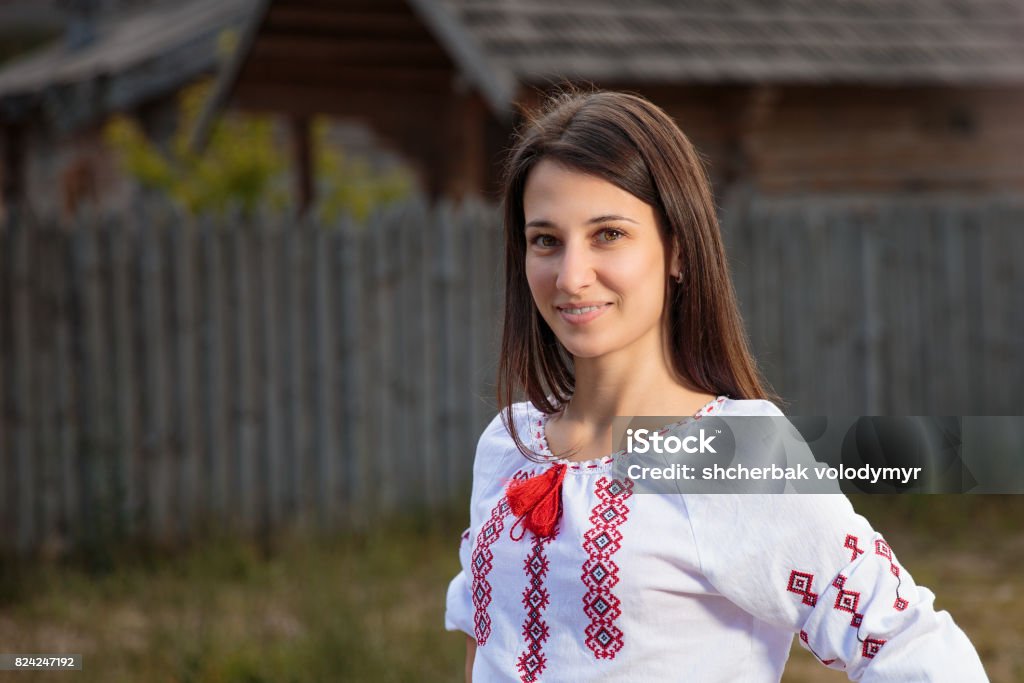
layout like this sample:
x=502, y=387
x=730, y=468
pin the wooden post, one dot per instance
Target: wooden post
x=755, y=108
x=303, y=159
x=464, y=159
x=12, y=171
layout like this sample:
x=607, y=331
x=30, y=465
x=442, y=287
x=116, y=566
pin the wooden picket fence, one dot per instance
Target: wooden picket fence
x=910, y=306
x=161, y=377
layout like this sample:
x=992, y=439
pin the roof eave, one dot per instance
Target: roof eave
x=497, y=85
x=228, y=77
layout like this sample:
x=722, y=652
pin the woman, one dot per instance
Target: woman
x=618, y=302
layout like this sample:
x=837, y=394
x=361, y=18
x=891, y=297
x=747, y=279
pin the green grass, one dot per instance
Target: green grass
x=370, y=607
x=358, y=608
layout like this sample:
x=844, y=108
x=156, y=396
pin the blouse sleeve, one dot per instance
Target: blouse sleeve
x=490, y=452
x=458, y=614
x=809, y=564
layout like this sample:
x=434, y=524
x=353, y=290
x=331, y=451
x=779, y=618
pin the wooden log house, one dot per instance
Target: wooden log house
x=788, y=97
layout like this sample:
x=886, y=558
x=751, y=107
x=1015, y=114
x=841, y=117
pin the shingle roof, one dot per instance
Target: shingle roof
x=859, y=41
x=131, y=58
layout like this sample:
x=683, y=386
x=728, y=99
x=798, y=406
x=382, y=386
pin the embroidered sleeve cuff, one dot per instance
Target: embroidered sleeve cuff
x=458, y=615
x=874, y=622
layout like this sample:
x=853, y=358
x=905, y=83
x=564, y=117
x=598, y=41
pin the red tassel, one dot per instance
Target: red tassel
x=537, y=501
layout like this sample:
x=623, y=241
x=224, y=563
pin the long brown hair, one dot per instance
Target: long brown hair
x=631, y=143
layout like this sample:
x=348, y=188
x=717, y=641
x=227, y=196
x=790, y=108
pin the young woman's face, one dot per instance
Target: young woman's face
x=595, y=262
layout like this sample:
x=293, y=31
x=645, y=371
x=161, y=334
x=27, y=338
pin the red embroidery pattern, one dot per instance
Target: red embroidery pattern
x=532, y=661
x=481, y=562
x=847, y=601
x=606, y=460
x=710, y=408
x=851, y=544
x=600, y=572
x=801, y=583
x=882, y=549
x=871, y=647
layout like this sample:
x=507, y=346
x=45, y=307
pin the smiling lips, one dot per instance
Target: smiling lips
x=582, y=313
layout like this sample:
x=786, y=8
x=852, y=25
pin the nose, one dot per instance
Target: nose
x=576, y=269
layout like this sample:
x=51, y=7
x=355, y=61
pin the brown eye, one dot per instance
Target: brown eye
x=611, y=235
x=546, y=241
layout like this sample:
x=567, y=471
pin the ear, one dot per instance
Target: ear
x=676, y=262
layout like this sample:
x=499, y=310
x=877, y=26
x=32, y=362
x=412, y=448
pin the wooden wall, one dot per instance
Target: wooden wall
x=832, y=139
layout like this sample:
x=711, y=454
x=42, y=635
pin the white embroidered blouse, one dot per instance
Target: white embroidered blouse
x=707, y=588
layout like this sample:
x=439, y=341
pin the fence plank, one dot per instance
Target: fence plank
x=403, y=314
x=974, y=271
x=493, y=266
x=104, y=372
x=448, y=344
x=92, y=469
x=428, y=384
x=479, y=328
x=242, y=386
x=952, y=313
x=1013, y=226
x=272, y=459
x=344, y=253
x=838, y=296
x=294, y=431
x=874, y=324
x=155, y=466
x=998, y=270
x=67, y=440
x=211, y=392
x=768, y=249
x=122, y=250
x=463, y=376
x=183, y=373
x=322, y=378
x=46, y=278
x=383, y=437
x=7, y=482
x=21, y=307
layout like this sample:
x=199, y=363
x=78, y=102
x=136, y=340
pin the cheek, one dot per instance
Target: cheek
x=640, y=271
x=537, y=277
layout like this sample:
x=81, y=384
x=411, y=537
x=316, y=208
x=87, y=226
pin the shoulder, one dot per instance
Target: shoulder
x=751, y=407
x=496, y=434
x=496, y=451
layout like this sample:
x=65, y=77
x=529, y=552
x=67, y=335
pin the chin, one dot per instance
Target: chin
x=585, y=349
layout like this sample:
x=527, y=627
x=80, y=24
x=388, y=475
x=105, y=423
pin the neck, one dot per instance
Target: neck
x=635, y=381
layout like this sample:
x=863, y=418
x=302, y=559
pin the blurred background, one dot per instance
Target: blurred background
x=250, y=263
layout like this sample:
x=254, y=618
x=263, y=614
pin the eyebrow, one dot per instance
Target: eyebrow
x=544, y=223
